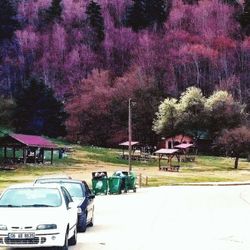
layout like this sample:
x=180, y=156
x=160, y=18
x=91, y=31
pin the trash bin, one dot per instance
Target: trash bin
x=131, y=181
x=128, y=180
x=115, y=184
x=100, y=182
x=123, y=175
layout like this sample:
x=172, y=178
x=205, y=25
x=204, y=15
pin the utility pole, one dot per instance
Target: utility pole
x=129, y=135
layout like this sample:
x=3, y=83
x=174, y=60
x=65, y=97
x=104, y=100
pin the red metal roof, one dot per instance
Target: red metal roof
x=33, y=141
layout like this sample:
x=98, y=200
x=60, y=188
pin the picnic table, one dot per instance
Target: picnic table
x=171, y=168
x=136, y=156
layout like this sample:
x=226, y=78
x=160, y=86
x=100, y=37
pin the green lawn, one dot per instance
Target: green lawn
x=84, y=160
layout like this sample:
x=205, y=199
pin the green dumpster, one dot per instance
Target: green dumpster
x=131, y=181
x=128, y=180
x=115, y=184
x=123, y=175
x=100, y=182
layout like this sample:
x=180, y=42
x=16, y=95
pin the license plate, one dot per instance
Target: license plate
x=21, y=235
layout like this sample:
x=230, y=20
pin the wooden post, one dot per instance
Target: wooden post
x=178, y=157
x=52, y=151
x=159, y=162
x=35, y=156
x=24, y=155
x=146, y=180
x=14, y=154
x=129, y=136
x=140, y=180
x=43, y=155
x=5, y=152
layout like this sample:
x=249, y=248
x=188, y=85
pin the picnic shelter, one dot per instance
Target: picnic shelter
x=168, y=154
x=32, y=148
x=125, y=145
x=185, y=151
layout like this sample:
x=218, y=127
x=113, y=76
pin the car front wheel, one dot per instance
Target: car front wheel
x=73, y=239
x=66, y=244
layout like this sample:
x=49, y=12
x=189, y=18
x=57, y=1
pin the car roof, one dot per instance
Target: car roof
x=54, y=176
x=55, y=180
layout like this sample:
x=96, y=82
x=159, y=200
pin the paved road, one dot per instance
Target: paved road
x=176, y=218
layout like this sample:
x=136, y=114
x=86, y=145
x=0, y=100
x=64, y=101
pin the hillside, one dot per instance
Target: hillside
x=97, y=55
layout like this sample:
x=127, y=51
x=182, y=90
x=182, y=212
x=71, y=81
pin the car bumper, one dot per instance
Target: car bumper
x=41, y=239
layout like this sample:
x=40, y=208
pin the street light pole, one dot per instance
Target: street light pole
x=129, y=135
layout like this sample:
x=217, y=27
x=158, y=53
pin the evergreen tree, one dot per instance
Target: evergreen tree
x=38, y=111
x=232, y=2
x=245, y=18
x=157, y=12
x=55, y=9
x=7, y=107
x=136, y=16
x=95, y=22
x=52, y=14
x=8, y=19
x=147, y=13
x=190, y=1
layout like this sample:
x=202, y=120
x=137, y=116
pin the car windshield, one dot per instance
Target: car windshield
x=31, y=197
x=75, y=189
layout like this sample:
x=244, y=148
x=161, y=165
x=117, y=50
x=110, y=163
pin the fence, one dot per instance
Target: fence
x=142, y=180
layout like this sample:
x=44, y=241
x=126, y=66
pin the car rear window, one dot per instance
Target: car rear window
x=76, y=190
x=31, y=197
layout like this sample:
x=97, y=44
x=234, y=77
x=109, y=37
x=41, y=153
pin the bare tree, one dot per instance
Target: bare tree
x=235, y=142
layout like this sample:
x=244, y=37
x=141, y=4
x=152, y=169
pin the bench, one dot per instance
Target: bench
x=173, y=168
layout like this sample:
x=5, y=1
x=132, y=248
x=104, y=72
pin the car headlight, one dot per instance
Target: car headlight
x=46, y=226
x=79, y=210
x=3, y=227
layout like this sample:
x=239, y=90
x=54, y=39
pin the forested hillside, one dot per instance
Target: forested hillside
x=95, y=55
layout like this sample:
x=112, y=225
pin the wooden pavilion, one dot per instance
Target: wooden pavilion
x=185, y=151
x=126, y=145
x=29, y=145
x=169, y=154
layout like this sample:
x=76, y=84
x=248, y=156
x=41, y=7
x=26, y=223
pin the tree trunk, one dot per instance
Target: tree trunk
x=236, y=162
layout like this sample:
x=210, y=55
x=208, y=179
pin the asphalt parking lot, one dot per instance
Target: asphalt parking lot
x=176, y=218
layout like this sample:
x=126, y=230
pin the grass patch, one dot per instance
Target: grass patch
x=82, y=161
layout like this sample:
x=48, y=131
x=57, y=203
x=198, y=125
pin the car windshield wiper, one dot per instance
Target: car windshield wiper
x=9, y=205
x=37, y=205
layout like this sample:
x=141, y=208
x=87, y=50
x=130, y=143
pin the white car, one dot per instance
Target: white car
x=37, y=216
